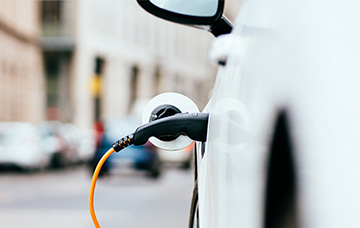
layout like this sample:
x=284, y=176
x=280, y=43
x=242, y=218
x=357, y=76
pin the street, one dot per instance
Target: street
x=59, y=199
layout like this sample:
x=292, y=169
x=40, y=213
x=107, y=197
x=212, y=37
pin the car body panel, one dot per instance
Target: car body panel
x=301, y=57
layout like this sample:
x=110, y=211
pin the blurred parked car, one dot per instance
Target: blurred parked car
x=86, y=146
x=182, y=158
x=21, y=145
x=135, y=157
x=54, y=143
x=63, y=142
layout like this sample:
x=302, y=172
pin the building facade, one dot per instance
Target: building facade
x=22, y=95
x=94, y=59
x=128, y=55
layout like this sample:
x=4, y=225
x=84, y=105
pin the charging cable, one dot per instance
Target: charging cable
x=93, y=183
x=193, y=125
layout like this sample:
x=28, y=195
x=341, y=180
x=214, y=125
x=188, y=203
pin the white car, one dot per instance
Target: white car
x=21, y=145
x=283, y=137
x=87, y=145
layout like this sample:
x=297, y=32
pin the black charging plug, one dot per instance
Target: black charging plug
x=193, y=125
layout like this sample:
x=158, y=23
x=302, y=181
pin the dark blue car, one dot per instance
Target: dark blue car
x=143, y=157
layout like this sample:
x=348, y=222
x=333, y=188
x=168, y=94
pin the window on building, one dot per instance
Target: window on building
x=51, y=15
x=134, y=77
x=52, y=70
x=97, y=87
x=157, y=80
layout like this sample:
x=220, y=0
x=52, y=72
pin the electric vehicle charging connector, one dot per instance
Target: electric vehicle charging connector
x=193, y=125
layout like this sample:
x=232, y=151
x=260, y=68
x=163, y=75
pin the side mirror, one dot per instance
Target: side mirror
x=204, y=14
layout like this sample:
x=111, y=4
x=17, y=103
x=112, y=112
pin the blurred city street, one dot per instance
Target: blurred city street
x=124, y=199
x=72, y=83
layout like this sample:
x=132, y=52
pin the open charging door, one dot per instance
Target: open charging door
x=164, y=105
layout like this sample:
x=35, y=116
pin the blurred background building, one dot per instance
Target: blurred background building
x=21, y=67
x=94, y=59
x=64, y=65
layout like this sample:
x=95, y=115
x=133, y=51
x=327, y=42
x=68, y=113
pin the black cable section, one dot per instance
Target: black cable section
x=124, y=142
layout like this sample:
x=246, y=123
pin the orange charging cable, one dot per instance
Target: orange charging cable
x=93, y=183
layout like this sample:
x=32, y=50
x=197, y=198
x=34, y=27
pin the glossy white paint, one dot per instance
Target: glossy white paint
x=301, y=56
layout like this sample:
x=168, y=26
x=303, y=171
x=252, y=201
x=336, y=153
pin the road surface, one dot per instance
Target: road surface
x=60, y=199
